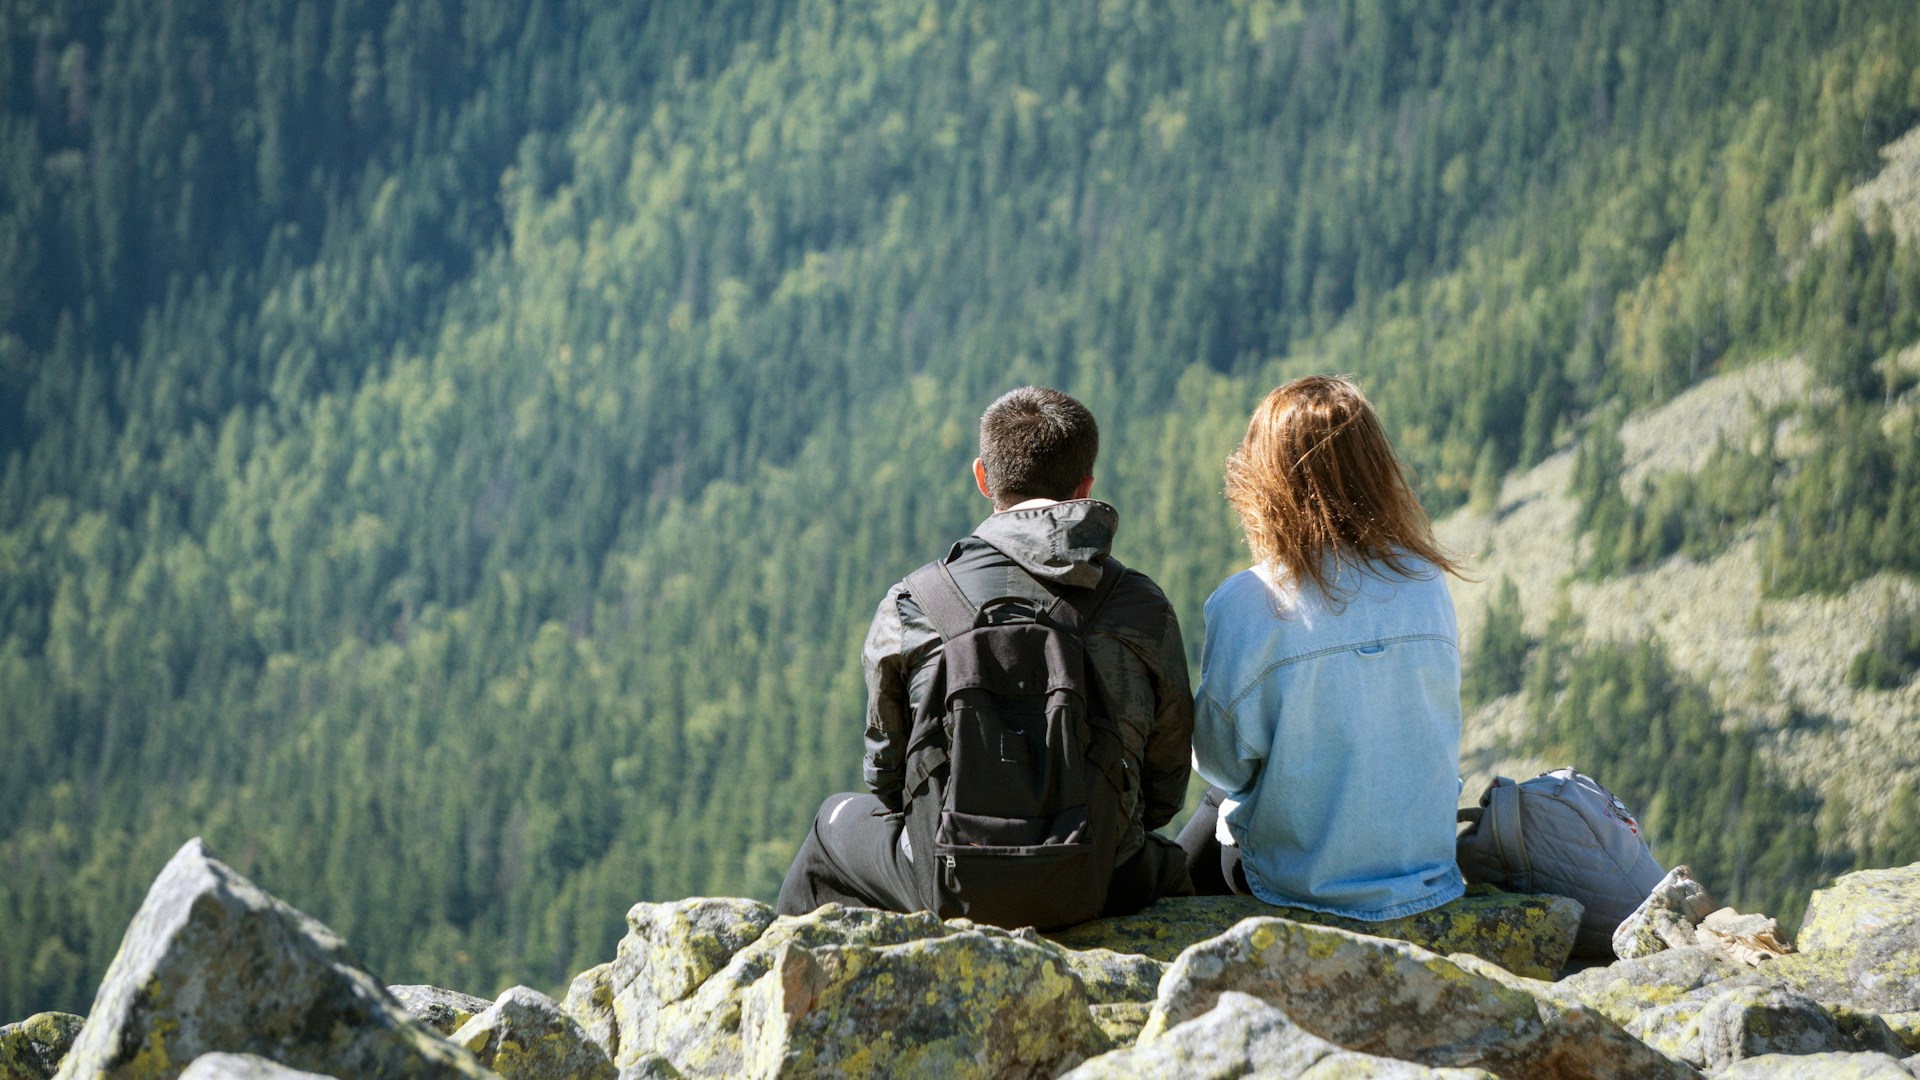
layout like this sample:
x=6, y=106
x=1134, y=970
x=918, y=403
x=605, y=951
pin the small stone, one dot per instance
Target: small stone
x=1111, y=977
x=442, y=1010
x=1666, y=918
x=651, y=1067
x=1122, y=1020
x=590, y=1002
x=525, y=1036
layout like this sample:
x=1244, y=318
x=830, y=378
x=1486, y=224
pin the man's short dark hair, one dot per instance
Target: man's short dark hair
x=1037, y=443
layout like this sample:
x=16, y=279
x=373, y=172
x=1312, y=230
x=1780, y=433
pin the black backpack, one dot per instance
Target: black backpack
x=1014, y=767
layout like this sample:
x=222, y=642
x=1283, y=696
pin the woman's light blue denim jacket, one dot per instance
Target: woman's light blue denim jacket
x=1334, y=727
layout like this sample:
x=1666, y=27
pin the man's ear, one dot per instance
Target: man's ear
x=1083, y=488
x=980, y=477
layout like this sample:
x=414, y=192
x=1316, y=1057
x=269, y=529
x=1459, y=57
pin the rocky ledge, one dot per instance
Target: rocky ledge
x=217, y=979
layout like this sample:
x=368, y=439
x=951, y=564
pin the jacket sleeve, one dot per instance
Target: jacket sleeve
x=888, y=713
x=1170, y=745
x=1218, y=755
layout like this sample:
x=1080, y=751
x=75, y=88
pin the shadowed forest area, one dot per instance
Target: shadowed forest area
x=449, y=452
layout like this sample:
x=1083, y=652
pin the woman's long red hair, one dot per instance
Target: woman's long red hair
x=1317, y=487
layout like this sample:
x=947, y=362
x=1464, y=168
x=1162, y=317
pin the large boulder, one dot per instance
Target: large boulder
x=1244, y=1036
x=1743, y=1022
x=972, y=1004
x=669, y=952
x=678, y=995
x=1527, y=934
x=211, y=963
x=1860, y=943
x=676, y=988
x=32, y=1048
x=1397, y=1000
x=525, y=1036
x=1860, y=906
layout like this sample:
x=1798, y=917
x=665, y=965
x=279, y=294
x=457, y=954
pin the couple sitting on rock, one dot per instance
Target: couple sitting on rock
x=1030, y=722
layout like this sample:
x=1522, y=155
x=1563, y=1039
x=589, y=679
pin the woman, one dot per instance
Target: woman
x=1328, y=713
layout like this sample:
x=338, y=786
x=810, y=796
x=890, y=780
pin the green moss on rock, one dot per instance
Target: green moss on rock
x=1530, y=935
x=526, y=1036
x=32, y=1048
x=1245, y=1036
x=971, y=1004
x=1860, y=906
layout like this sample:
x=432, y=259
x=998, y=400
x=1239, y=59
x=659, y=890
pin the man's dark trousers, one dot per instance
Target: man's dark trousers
x=853, y=856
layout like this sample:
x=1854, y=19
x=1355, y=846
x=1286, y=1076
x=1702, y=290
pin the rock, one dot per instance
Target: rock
x=1244, y=1036
x=1122, y=1020
x=244, y=1067
x=1531, y=935
x=972, y=1004
x=1674, y=1030
x=525, y=1036
x=1749, y=1022
x=651, y=1067
x=211, y=963
x=32, y=1048
x=590, y=1002
x=442, y=1010
x=1859, y=907
x=1860, y=944
x=1879, y=973
x=1870, y=1032
x=1623, y=990
x=698, y=1029
x=669, y=952
x=1113, y=977
x=1680, y=913
x=1750, y=939
x=1666, y=918
x=1360, y=992
x=1817, y=1067
x=1906, y=1026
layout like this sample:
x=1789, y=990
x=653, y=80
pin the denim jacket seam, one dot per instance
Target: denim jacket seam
x=1328, y=650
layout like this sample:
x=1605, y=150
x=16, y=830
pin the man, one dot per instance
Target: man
x=1045, y=537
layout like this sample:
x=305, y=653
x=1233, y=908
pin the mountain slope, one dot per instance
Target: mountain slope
x=458, y=447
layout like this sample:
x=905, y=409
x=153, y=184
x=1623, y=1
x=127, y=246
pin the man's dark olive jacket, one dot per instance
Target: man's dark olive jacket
x=1134, y=644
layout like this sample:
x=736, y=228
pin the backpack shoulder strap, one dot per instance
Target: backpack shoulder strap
x=1504, y=811
x=933, y=587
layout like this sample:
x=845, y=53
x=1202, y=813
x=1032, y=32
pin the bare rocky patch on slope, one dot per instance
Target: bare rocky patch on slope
x=1775, y=666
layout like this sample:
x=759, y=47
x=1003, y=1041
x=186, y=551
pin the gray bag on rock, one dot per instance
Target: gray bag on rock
x=1561, y=833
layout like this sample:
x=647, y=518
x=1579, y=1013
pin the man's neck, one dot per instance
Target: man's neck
x=1029, y=504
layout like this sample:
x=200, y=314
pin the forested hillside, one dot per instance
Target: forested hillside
x=452, y=450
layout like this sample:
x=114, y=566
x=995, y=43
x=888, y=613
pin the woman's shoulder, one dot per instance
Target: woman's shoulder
x=1248, y=586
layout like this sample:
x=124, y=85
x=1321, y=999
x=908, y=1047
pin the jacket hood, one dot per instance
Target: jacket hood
x=1057, y=542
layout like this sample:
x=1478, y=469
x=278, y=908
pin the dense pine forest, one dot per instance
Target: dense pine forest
x=449, y=452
